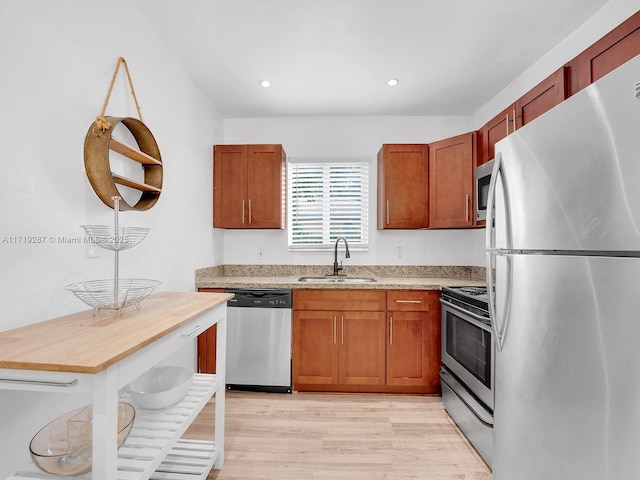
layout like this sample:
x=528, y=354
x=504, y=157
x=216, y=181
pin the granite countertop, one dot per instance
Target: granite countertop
x=387, y=277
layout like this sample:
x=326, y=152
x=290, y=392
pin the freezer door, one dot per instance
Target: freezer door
x=567, y=398
x=571, y=176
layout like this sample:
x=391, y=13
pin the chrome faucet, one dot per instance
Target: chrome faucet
x=337, y=268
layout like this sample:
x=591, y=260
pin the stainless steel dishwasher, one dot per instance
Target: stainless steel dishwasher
x=259, y=340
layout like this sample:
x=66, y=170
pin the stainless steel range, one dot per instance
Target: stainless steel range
x=467, y=365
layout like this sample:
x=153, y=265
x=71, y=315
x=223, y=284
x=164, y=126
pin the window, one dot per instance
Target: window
x=326, y=200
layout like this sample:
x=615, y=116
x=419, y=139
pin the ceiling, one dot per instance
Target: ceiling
x=334, y=57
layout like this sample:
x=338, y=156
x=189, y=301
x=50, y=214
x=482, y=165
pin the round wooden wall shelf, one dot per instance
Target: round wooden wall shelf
x=97, y=145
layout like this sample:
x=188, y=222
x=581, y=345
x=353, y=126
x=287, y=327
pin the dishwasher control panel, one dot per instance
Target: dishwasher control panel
x=260, y=298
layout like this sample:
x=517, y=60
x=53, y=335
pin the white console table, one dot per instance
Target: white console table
x=99, y=355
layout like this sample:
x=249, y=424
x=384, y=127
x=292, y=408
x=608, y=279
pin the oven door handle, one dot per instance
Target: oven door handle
x=481, y=320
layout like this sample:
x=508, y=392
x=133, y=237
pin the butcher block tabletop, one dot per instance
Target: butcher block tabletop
x=85, y=342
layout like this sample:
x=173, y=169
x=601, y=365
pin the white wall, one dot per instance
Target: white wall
x=57, y=62
x=349, y=136
x=602, y=22
x=363, y=136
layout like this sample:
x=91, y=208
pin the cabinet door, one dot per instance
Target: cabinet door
x=266, y=186
x=207, y=343
x=230, y=186
x=408, y=349
x=403, y=186
x=495, y=130
x=362, y=348
x=617, y=47
x=543, y=97
x=451, y=165
x=315, y=347
x=413, y=343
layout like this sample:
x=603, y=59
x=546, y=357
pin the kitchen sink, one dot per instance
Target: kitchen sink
x=337, y=279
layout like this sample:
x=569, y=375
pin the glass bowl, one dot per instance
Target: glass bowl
x=161, y=387
x=65, y=446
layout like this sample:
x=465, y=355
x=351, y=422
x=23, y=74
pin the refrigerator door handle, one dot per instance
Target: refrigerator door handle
x=499, y=331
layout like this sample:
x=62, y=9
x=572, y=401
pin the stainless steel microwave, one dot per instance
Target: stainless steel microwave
x=483, y=178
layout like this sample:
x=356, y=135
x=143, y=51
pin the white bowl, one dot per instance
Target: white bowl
x=161, y=387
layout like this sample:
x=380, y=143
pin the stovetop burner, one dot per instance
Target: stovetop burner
x=473, y=298
x=473, y=290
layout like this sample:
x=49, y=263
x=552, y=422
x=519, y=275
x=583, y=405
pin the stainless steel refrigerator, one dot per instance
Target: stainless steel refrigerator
x=563, y=254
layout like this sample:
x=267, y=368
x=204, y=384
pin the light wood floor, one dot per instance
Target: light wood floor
x=328, y=436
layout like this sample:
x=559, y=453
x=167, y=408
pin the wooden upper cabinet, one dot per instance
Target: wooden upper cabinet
x=451, y=167
x=403, y=186
x=541, y=98
x=249, y=186
x=617, y=47
x=495, y=130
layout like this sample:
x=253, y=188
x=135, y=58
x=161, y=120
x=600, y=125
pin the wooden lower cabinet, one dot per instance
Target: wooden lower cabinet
x=338, y=339
x=338, y=348
x=207, y=343
x=348, y=342
x=315, y=352
x=413, y=351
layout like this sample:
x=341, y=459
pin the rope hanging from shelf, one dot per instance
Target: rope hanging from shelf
x=97, y=148
x=101, y=121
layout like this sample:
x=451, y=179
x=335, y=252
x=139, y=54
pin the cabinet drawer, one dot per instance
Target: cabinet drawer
x=138, y=362
x=411, y=300
x=338, y=299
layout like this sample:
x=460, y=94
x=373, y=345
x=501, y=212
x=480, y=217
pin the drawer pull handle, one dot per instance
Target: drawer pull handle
x=40, y=382
x=408, y=301
x=192, y=332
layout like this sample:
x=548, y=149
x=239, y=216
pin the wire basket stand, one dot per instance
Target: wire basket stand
x=116, y=293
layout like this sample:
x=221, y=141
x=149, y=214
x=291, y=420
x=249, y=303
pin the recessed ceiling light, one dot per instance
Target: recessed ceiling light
x=265, y=83
x=392, y=82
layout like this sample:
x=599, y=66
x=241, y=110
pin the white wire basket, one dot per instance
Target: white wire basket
x=115, y=238
x=113, y=295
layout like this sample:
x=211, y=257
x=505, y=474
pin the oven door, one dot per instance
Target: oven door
x=468, y=350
